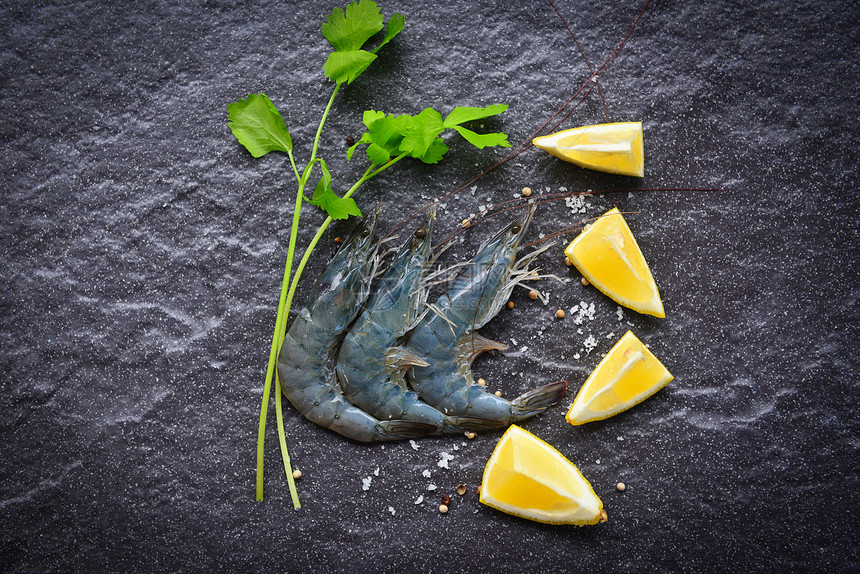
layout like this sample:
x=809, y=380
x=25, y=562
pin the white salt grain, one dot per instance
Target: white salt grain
x=444, y=459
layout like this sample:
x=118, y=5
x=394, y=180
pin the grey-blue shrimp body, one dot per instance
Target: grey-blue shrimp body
x=447, y=340
x=370, y=364
x=306, y=361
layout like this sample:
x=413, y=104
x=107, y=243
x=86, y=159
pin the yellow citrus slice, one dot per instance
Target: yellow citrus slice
x=609, y=257
x=528, y=478
x=625, y=377
x=613, y=148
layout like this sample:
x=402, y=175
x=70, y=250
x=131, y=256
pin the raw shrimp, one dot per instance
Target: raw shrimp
x=370, y=365
x=306, y=361
x=445, y=338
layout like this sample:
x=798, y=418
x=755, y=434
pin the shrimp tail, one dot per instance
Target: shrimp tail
x=473, y=424
x=537, y=400
x=403, y=429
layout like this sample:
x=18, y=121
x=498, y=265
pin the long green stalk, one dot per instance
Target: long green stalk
x=284, y=305
x=277, y=339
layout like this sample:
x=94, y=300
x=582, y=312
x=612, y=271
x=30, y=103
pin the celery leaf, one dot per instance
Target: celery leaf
x=394, y=27
x=463, y=114
x=347, y=66
x=258, y=126
x=421, y=131
x=481, y=141
x=349, y=31
x=325, y=197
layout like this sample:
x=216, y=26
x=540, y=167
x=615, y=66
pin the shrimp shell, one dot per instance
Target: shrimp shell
x=307, y=358
x=369, y=365
x=446, y=340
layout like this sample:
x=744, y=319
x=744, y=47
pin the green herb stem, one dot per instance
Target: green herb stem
x=288, y=285
x=277, y=340
x=322, y=123
x=285, y=454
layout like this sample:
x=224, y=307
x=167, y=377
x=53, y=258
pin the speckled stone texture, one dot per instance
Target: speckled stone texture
x=142, y=249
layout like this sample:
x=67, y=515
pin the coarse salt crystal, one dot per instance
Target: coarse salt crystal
x=391, y=510
x=420, y=499
x=444, y=459
x=425, y=473
x=413, y=444
x=431, y=487
x=365, y=483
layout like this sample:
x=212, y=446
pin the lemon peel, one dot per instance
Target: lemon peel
x=607, y=254
x=625, y=377
x=527, y=477
x=612, y=148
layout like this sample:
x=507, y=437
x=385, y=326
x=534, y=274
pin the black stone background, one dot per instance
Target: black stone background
x=143, y=249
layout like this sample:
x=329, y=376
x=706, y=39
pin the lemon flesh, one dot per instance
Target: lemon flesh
x=528, y=478
x=613, y=148
x=609, y=257
x=625, y=377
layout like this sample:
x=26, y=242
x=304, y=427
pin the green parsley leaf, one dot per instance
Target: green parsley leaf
x=418, y=136
x=377, y=154
x=324, y=184
x=337, y=207
x=395, y=25
x=421, y=131
x=258, y=126
x=325, y=197
x=347, y=66
x=386, y=131
x=349, y=31
x=481, y=141
x=435, y=152
x=462, y=114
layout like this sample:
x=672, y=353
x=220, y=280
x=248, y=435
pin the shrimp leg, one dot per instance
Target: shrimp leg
x=307, y=358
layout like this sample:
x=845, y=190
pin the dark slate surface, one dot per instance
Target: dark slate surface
x=142, y=253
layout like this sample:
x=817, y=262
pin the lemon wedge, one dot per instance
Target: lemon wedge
x=609, y=257
x=613, y=148
x=626, y=376
x=528, y=478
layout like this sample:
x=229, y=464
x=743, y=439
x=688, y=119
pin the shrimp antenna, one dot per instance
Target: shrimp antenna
x=584, y=57
x=520, y=202
x=527, y=143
